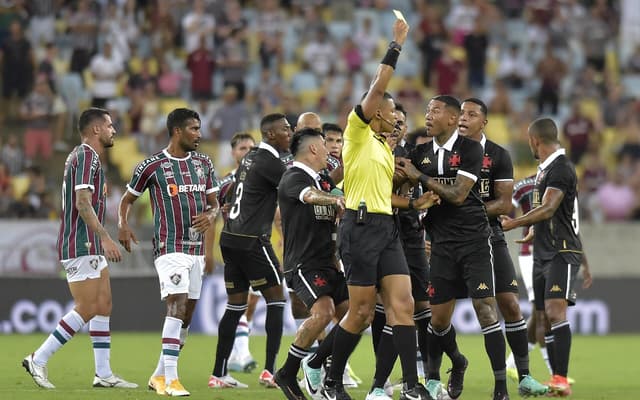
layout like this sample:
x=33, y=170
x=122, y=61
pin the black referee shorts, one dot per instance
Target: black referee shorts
x=372, y=250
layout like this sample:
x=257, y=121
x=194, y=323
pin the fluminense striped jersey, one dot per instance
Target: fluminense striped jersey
x=82, y=170
x=178, y=188
x=523, y=198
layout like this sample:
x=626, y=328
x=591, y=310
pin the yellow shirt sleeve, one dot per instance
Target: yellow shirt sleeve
x=356, y=130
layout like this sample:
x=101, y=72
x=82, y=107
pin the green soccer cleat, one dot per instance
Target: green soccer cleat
x=435, y=389
x=512, y=373
x=530, y=387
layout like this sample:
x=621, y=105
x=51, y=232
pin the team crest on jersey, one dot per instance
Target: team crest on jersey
x=486, y=162
x=87, y=245
x=94, y=263
x=169, y=174
x=197, y=163
x=176, y=278
x=199, y=172
x=454, y=160
x=166, y=165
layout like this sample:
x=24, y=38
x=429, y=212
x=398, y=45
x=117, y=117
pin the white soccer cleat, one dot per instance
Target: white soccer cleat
x=225, y=382
x=377, y=394
x=241, y=363
x=114, y=381
x=37, y=372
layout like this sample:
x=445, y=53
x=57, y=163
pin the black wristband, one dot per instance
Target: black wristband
x=393, y=52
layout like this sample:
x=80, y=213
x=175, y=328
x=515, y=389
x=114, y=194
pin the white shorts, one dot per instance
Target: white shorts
x=83, y=267
x=526, y=270
x=180, y=273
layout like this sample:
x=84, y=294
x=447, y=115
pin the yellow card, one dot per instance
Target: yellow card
x=399, y=15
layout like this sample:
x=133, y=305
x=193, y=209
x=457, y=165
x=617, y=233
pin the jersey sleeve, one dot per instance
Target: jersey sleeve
x=272, y=171
x=471, y=160
x=212, y=185
x=357, y=129
x=141, y=178
x=86, y=168
x=561, y=178
x=294, y=186
x=504, y=167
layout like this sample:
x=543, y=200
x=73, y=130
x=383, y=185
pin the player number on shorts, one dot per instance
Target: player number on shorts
x=575, y=217
x=235, y=210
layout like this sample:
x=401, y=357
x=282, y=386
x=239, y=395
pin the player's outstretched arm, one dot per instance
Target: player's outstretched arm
x=125, y=234
x=551, y=200
x=88, y=215
x=371, y=101
x=502, y=205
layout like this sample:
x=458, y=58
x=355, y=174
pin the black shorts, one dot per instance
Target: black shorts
x=372, y=250
x=460, y=270
x=419, y=270
x=503, y=268
x=256, y=265
x=554, y=279
x=309, y=285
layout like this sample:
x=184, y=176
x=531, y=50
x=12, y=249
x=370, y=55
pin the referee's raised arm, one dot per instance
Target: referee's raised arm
x=371, y=102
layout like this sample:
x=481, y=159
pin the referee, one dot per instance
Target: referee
x=370, y=246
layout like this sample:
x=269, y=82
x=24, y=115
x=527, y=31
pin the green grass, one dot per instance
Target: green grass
x=604, y=368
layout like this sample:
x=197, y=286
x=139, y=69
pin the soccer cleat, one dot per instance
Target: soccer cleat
x=351, y=375
x=500, y=396
x=157, y=383
x=528, y=386
x=175, y=389
x=435, y=389
x=289, y=386
x=114, y=381
x=388, y=388
x=571, y=380
x=334, y=391
x=559, y=385
x=377, y=394
x=225, y=382
x=312, y=378
x=266, y=380
x=512, y=373
x=456, y=379
x=418, y=392
x=37, y=372
x=242, y=363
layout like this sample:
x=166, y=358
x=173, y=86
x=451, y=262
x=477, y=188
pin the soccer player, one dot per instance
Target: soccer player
x=310, y=267
x=334, y=141
x=84, y=248
x=496, y=188
x=240, y=358
x=182, y=187
x=246, y=248
x=370, y=246
x=557, y=250
x=461, y=262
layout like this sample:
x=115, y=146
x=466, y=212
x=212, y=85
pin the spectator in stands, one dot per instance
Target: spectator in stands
x=164, y=29
x=448, y=71
x=461, y=19
x=11, y=155
x=431, y=39
x=119, y=29
x=500, y=103
x=366, y=39
x=476, y=44
x=594, y=175
x=616, y=198
x=105, y=69
x=597, y=34
x=151, y=120
x=6, y=190
x=551, y=70
x=633, y=63
x=48, y=64
x=231, y=117
x=233, y=59
x=169, y=81
x=578, y=131
x=351, y=55
x=320, y=54
x=231, y=20
x=42, y=21
x=612, y=106
x=83, y=28
x=17, y=69
x=201, y=63
x=269, y=26
x=196, y=24
x=513, y=68
x=38, y=112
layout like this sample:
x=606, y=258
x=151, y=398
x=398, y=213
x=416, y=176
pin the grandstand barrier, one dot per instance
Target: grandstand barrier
x=36, y=305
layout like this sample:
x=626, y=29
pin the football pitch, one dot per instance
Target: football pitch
x=604, y=367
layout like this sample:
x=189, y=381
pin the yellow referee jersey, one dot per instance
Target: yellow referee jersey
x=368, y=167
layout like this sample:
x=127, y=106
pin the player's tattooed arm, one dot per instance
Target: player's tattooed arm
x=454, y=194
x=321, y=198
x=502, y=205
x=88, y=215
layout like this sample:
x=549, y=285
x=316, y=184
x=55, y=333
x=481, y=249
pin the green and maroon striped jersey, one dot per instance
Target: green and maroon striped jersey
x=178, y=188
x=82, y=170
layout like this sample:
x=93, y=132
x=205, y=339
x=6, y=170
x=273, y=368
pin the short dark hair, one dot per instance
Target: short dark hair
x=544, y=129
x=413, y=136
x=89, y=115
x=267, y=120
x=474, y=100
x=300, y=136
x=240, y=136
x=400, y=107
x=329, y=127
x=450, y=101
x=178, y=118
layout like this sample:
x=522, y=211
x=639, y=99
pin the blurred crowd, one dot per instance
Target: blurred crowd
x=234, y=61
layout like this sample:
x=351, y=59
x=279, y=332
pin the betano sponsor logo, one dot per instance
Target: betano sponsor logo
x=174, y=190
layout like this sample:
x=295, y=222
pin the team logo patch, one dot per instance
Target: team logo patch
x=319, y=281
x=482, y=286
x=166, y=165
x=200, y=172
x=94, y=263
x=454, y=160
x=425, y=161
x=87, y=245
x=71, y=271
x=172, y=189
x=486, y=162
x=514, y=283
x=197, y=163
x=176, y=278
x=555, y=288
x=168, y=174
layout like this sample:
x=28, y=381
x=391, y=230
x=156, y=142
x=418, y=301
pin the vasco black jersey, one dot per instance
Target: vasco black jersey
x=459, y=156
x=496, y=167
x=559, y=234
x=307, y=228
x=411, y=228
x=255, y=194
